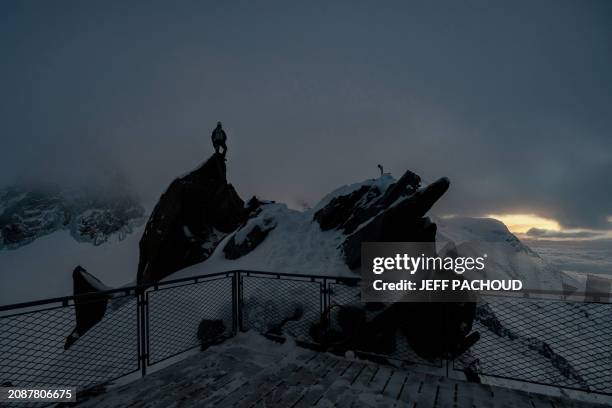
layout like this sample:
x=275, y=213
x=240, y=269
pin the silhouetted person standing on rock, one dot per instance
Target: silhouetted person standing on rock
x=218, y=139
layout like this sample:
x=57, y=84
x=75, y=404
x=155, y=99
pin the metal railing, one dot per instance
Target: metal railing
x=542, y=341
x=142, y=326
x=32, y=344
x=545, y=341
x=281, y=305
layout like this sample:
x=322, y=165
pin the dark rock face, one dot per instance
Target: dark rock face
x=189, y=220
x=339, y=209
x=211, y=332
x=394, y=215
x=400, y=222
x=91, y=216
x=436, y=330
x=253, y=238
x=433, y=330
x=90, y=310
x=249, y=236
x=349, y=211
x=407, y=184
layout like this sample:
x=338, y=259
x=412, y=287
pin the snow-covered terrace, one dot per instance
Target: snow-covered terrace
x=252, y=371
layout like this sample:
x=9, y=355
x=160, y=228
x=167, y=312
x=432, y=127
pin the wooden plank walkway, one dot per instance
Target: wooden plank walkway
x=250, y=371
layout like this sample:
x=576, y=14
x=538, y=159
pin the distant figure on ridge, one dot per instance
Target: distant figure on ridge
x=380, y=167
x=218, y=139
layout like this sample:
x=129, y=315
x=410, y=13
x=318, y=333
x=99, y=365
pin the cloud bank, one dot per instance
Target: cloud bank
x=513, y=102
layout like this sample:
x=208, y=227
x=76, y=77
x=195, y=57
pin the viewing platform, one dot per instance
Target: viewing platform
x=252, y=371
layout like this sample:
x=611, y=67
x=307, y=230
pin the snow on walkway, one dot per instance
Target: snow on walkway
x=251, y=371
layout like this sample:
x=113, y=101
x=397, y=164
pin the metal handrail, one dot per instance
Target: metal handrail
x=133, y=289
x=138, y=293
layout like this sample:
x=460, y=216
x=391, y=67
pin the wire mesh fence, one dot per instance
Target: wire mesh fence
x=276, y=304
x=544, y=341
x=33, y=352
x=347, y=293
x=141, y=326
x=189, y=315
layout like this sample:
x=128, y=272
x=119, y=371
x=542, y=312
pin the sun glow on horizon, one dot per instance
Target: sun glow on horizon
x=521, y=223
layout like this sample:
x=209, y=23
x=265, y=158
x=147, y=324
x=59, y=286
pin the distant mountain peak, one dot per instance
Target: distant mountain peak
x=93, y=215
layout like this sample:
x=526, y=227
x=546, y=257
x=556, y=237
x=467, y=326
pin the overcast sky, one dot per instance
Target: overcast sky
x=511, y=100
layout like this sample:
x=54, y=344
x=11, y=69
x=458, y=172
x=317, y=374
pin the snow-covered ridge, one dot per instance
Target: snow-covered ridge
x=507, y=256
x=295, y=243
x=43, y=268
x=382, y=183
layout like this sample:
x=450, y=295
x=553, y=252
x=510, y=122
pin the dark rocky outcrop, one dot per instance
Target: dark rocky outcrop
x=339, y=210
x=189, y=220
x=436, y=330
x=89, y=309
x=349, y=211
x=277, y=328
x=397, y=214
x=255, y=234
x=211, y=332
x=407, y=184
x=253, y=206
x=401, y=222
x=254, y=237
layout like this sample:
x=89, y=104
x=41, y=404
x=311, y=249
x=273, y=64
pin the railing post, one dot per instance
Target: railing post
x=235, y=303
x=239, y=304
x=142, y=305
x=325, y=315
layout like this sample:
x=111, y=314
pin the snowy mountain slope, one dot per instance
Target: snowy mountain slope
x=94, y=216
x=382, y=183
x=46, y=231
x=507, y=256
x=295, y=245
x=43, y=268
x=560, y=343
